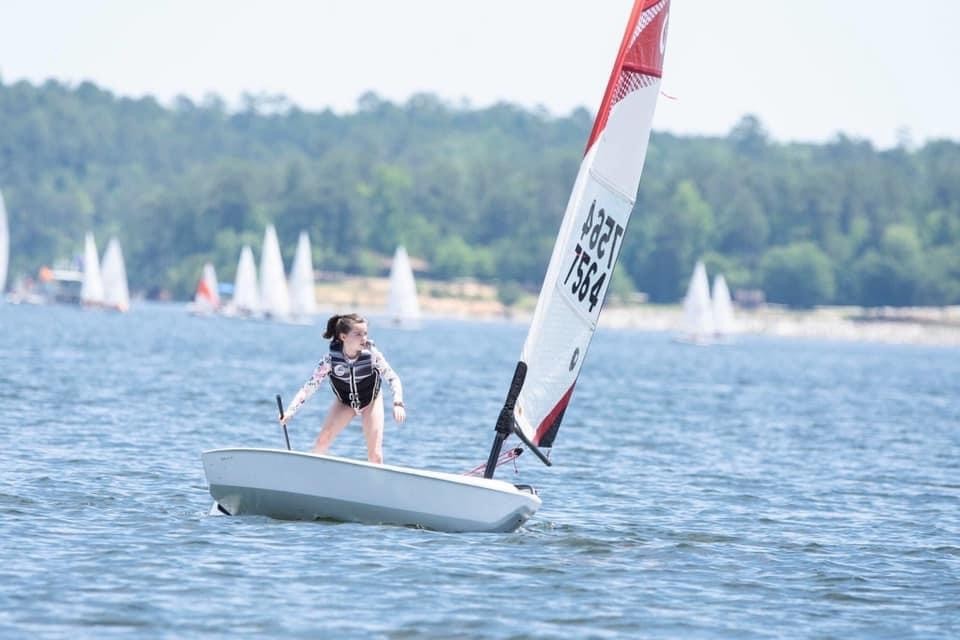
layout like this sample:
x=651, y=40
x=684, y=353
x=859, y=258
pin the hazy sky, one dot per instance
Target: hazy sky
x=808, y=69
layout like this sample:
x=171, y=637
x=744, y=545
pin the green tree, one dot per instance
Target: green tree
x=894, y=274
x=482, y=190
x=798, y=275
x=680, y=236
x=453, y=258
x=749, y=136
x=743, y=226
x=941, y=276
x=508, y=293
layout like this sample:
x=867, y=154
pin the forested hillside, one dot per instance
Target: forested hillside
x=474, y=192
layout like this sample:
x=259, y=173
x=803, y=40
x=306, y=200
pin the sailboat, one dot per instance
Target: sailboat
x=697, y=309
x=206, y=299
x=91, y=287
x=246, y=297
x=303, y=295
x=4, y=245
x=403, y=308
x=286, y=484
x=274, y=297
x=724, y=324
x=116, y=294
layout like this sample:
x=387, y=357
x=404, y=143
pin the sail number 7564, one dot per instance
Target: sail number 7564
x=599, y=237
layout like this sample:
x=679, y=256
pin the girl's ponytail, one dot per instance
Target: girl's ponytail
x=341, y=324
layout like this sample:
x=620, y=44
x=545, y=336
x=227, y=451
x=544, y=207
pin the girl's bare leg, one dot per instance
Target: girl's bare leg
x=373, y=429
x=338, y=417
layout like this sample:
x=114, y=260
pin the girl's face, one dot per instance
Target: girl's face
x=355, y=339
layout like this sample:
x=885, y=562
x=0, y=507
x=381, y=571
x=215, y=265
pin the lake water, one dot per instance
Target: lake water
x=766, y=488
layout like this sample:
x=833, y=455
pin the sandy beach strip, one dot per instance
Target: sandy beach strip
x=477, y=301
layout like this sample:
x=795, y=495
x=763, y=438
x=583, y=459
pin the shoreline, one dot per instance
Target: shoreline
x=936, y=326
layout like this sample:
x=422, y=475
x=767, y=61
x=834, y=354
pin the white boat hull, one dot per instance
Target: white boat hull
x=290, y=485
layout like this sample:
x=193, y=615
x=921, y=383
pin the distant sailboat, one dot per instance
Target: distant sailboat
x=723, y=321
x=91, y=288
x=246, y=297
x=207, y=297
x=4, y=245
x=303, y=295
x=274, y=297
x=697, y=309
x=403, y=308
x=116, y=294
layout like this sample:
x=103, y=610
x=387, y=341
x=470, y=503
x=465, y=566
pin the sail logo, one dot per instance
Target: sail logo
x=575, y=358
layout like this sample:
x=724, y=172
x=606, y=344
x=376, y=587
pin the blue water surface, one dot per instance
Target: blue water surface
x=762, y=489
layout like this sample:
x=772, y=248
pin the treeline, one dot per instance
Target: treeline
x=474, y=192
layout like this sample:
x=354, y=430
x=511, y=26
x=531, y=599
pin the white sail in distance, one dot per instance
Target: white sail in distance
x=403, y=307
x=697, y=307
x=723, y=321
x=592, y=230
x=303, y=295
x=4, y=244
x=116, y=293
x=246, y=296
x=91, y=288
x=274, y=297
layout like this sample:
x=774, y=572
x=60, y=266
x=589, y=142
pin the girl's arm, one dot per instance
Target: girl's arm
x=388, y=374
x=308, y=388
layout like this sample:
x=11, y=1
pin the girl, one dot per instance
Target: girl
x=356, y=369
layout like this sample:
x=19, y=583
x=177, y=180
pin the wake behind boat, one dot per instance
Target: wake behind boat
x=289, y=485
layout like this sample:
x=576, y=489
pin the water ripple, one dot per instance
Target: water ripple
x=769, y=489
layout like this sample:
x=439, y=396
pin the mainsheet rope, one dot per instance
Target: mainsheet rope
x=506, y=456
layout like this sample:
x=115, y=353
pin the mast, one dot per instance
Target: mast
x=507, y=424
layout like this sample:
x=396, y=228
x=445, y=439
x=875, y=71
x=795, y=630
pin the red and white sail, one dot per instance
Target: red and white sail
x=593, y=227
x=207, y=296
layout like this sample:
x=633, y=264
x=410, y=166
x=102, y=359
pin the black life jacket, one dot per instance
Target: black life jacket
x=355, y=383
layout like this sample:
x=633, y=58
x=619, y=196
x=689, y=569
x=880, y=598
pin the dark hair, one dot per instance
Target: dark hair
x=341, y=324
